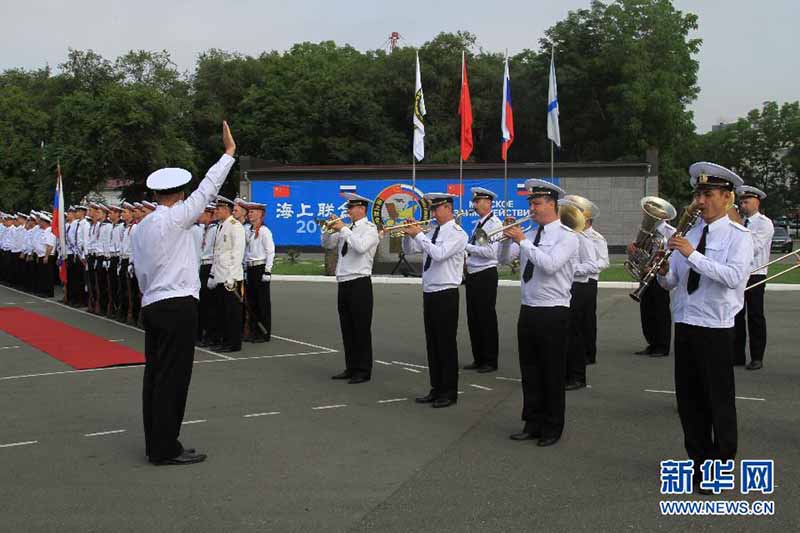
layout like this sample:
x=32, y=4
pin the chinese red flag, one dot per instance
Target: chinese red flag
x=465, y=110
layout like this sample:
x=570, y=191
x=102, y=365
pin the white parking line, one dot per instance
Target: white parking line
x=253, y=415
x=481, y=387
x=115, y=340
x=737, y=397
x=101, y=433
x=319, y=408
x=13, y=444
x=517, y=380
x=392, y=400
x=411, y=370
x=409, y=364
x=194, y=422
x=383, y=362
x=9, y=347
x=9, y=303
x=304, y=343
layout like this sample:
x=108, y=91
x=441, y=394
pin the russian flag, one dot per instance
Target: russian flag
x=346, y=188
x=59, y=226
x=521, y=190
x=507, y=117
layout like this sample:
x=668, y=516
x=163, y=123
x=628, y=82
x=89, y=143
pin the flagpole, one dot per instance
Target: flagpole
x=505, y=165
x=552, y=151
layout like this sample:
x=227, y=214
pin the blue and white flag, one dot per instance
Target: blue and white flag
x=553, y=131
x=419, y=113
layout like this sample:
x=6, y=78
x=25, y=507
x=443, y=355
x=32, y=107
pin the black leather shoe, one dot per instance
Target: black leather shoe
x=185, y=458
x=524, y=435
x=754, y=365
x=575, y=385
x=485, y=369
x=358, y=379
x=471, y=366
x=229, y=349
x=343, y=375
x=659, y=353
x=547, y=441
x=444, y=402
x=429, y=398
x=646, y=351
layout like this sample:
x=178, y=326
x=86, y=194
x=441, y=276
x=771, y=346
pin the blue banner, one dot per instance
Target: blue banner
x=294, y=207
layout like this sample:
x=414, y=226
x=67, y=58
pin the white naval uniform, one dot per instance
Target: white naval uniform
x=479, y=257
x=600, y=251
x=761, y=230
x=229, y=246
x=447, y=256
x=362, y=243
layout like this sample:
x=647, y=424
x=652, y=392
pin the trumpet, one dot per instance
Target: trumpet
x=483, y=237
x=326, y=224
x=392, y=231
x=568, y=213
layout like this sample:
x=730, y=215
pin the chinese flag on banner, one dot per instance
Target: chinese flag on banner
x=455, y=188
x=280, y=191
x=465, y=110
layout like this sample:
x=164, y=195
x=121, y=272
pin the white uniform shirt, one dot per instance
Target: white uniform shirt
x=92, y=243
x=71, y=237
x=207, y=243
x=447, y=256
x=229, y=252
x=117, y=231
x=586, y=264
x=762, y=230
x=104, y=239
x=125, y=246
x=33, y=239
x=483, y=257
x=553, y=261
x=45, y=239
x=197, y=235
x=260, y=247
x=362, y=243
x=166, y=265
x=724, y=270
x=18, y=243
x=5, y=237
x=132, y=233
x=82, y=238
x=600, y=251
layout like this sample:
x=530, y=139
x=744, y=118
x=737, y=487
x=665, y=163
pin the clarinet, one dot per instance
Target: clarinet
x=688, y=219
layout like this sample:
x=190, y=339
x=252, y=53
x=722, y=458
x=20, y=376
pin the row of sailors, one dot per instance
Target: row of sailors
x=28, y=248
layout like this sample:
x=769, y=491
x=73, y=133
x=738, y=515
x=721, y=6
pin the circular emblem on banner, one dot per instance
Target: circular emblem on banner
x=398, y=203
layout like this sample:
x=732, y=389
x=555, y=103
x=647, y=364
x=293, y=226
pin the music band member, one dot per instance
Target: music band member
x=442, y=270
x=707, y=279
x=357, y=243
x=751, y=318
x=654, y=307
x=601, y=256
x=166, y=267
x=227, y=275
x=481, y=286
x=547, y=258
x=208, y=324
x=259, y=257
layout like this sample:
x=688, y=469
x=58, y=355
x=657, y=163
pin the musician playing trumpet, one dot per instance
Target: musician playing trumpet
x=357, y=243
x=707, y=279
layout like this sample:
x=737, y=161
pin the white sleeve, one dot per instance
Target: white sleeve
x=269, y=246
x=186, y=213
x=360, y=243
x=442, y=250
x=551, y=263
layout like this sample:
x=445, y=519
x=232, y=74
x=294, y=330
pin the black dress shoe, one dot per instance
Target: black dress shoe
x=485, y=369
x=358, y=379
x=429, y=398
x=185, y=458
x=660, y=353
x=646, y=351
x=343, y=375
x=547, y=441
x=754, y=365
x=229, y=349
x=444, y=402
x=471, y=366
x=524, y=435
x=575, y=385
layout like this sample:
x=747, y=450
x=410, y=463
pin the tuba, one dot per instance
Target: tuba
x=648, y=241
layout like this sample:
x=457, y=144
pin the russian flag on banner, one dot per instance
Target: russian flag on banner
x=59, y=226
x=507, y=117
x=346, y=188
x=521, y=191
x=280, y=191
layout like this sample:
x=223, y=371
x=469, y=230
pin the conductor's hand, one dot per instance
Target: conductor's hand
x=227, y=139
x=514, y=233
x=413, y=230
x=679, y=243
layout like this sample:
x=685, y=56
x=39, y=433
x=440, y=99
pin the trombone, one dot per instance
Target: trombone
x=391, y=231
x=326, y=224
x=781, y=273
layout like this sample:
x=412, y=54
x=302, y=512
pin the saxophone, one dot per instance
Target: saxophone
x=685, y=222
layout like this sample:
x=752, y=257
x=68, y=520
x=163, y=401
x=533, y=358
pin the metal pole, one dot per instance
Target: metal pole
x=505, y=186
x=552, y=158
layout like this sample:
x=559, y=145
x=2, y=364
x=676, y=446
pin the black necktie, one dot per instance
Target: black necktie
x=528, y=274
x=694, y=277
x=344, y=248
x=746, y=222
x=428, y=259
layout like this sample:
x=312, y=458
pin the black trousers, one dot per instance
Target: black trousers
x=542, y=337
x=230, y=308
x=578, y=339
x=207, y=328
x=755, y=324
x=101, y=275
x=124, y=286
x=169, y=327
x=590, y=323
x=113, y=285
x=354, y=302
x=440, y=314
x=656, y=317
x=44, y=277
x=30, y=274
x=91, y=281
x=136, y=298
x=259, y=302
x=71, y=281
x=705, y=390
x=481, y=289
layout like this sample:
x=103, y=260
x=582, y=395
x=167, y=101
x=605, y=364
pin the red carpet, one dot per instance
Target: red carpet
x=75, y=347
